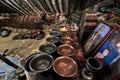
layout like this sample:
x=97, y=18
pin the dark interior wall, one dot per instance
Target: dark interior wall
x=4, y=9
x=73, y=4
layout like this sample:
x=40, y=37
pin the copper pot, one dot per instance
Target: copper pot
x=66, y=40
x=65, y=66
x=66, y=50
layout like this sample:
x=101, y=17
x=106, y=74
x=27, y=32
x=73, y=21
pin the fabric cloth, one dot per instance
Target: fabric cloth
x=7, y=72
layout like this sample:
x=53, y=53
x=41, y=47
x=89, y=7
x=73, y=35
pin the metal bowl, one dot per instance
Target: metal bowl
x=66, y=40
x=41, y=63
x=55, y=33
x=66, y=50
x=65, y=66
x=47, y=48
x=26, y=63
x=53, y=40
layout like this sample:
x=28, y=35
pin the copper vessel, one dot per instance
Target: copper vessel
x=65, y=66
x=66, y=40
x=66, y=50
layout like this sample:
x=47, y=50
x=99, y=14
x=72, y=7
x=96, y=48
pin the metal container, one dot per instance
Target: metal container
x=67, y=40
x=92, y=65
x=65, y=66
x=29, y=73
x=47, y=48
x=66, y=50
x=41, y=63
x=53, y=40
x=55, y=33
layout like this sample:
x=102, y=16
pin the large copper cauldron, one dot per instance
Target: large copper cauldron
x=66, y=50
x=65, y=66
x=41, y=63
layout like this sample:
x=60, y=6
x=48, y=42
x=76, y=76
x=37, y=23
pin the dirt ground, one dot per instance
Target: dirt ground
x=25, y=46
